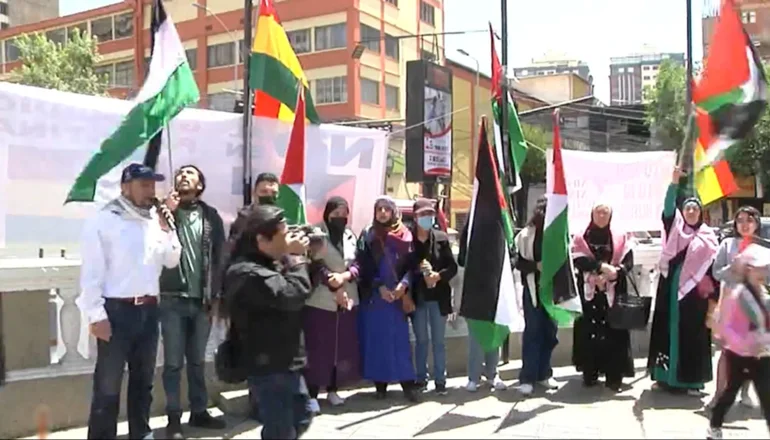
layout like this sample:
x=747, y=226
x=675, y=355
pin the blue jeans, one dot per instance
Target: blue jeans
x=185, y=327
x=283, y=404
x=477, y=357
x=538, y=341
x=427, y=315
x=134, y=342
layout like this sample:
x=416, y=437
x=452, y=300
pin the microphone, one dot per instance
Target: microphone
x=164, y=211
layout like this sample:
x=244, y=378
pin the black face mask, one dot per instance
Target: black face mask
x=267, y=200
x=337, y=224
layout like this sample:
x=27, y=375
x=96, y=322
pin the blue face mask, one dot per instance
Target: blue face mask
x=426, y=222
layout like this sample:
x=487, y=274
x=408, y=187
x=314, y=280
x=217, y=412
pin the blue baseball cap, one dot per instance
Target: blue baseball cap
x=140, y=171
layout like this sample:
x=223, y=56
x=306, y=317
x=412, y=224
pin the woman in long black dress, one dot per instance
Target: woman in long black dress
x=680, y=341
x=603, y=260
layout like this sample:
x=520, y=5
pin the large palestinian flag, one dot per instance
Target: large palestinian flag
x=558, y=291
x=169, y=87
x=291, y=195
x=489, y=298
x=275, y=73
x=730, y=97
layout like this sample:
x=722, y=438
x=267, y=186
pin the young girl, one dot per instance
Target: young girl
x=743, y=324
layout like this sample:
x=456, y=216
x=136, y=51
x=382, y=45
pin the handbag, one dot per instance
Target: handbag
x=630, y=312
x=228, y=362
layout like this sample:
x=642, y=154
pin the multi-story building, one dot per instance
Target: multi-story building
x=630, y=75
x=554, y=64
x=18, y=12
x=323, y=33
x=755, y=15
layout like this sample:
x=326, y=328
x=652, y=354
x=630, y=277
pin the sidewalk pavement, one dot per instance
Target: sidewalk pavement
x=572, y=411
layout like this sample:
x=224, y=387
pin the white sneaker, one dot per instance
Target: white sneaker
x=499, y=385
x=714, y=433
x=747, y=401
x=315, y=408
x=526, y=389
x=334, y=399
x=549, y=384
x=472, y=386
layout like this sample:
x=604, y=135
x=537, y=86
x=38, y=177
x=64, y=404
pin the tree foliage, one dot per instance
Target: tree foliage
x=666, y=117
x=533, y=170
x=67, y=67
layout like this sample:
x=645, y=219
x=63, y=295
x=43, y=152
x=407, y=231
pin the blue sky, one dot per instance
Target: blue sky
x=591, y=30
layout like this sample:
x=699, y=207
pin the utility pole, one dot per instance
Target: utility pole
x=247, y=102
x=507, y=159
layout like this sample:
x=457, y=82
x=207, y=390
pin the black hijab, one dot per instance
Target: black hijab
x=335, y=233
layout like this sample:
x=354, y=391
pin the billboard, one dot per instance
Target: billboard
x=429, y=121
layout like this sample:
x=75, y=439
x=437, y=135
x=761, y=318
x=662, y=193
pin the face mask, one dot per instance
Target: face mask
x=337, y=224
x=425, y=222
x=267, y=200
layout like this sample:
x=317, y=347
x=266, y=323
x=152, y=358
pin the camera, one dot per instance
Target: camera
x=315, y=234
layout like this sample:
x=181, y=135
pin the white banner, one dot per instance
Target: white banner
x=634, y=184
x=46, y=138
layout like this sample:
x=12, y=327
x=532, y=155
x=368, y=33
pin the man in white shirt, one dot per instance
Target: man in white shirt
x=124, y=248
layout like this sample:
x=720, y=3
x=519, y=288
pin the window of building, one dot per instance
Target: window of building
x=224, y=102
x=630, y=70
x=81, y=28
x=124, y=74
x=749, y=16
x=300, y=40
x=4, y=8
x=331, y=90
x=124, y=25
x=428, y=55
x=646, y=77
x=523, y=72
x=102, y=29
x=392, y=46
x=330, y=37
x=392, y=97
x=645, y=67
x=57, y=35
x=622, y=70
x=106, y=72
x=655, y=67
x=370, y=91
x=392, y=2
x=370, y=38
x=221, y=55
x=11, y=51
x=4, y=25
x=192, y=57
x=427, y=13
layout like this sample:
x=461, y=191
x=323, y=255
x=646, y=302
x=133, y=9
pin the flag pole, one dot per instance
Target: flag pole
x=246, y=96
x=687, y=159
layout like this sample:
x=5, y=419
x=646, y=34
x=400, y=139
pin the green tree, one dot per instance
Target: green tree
x=666, y=105
x=67, y=67
x=533, y=170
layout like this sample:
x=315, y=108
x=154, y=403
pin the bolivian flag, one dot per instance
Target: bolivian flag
x=730, y=97
x=274, y=70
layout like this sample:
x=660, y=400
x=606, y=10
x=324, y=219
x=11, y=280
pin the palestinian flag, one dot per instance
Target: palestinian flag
x=291, y=196
x=558, y=291
x=731, y=94
x=169, y=87
x=517, y=144
x=275, y=73
x=489, y=304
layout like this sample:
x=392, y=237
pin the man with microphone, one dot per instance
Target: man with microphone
x=124, y=248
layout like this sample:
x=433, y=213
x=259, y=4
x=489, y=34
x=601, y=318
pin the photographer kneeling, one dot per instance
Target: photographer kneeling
x=266, y=287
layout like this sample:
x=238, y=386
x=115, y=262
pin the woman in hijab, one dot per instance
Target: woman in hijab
x=539, y=337
x=603, y=259
x=680, y=340
x=746, y=224
x=385, y=274
x=330, y=315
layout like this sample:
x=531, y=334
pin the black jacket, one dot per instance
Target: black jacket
x=438, y=252
x=212, y=242
x=265, y=301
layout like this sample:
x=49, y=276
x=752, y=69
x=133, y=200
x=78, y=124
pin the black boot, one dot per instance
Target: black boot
x=174, y=427
x=206, y=421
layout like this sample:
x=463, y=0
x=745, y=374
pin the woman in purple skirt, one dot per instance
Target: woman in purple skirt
x=330, y=315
